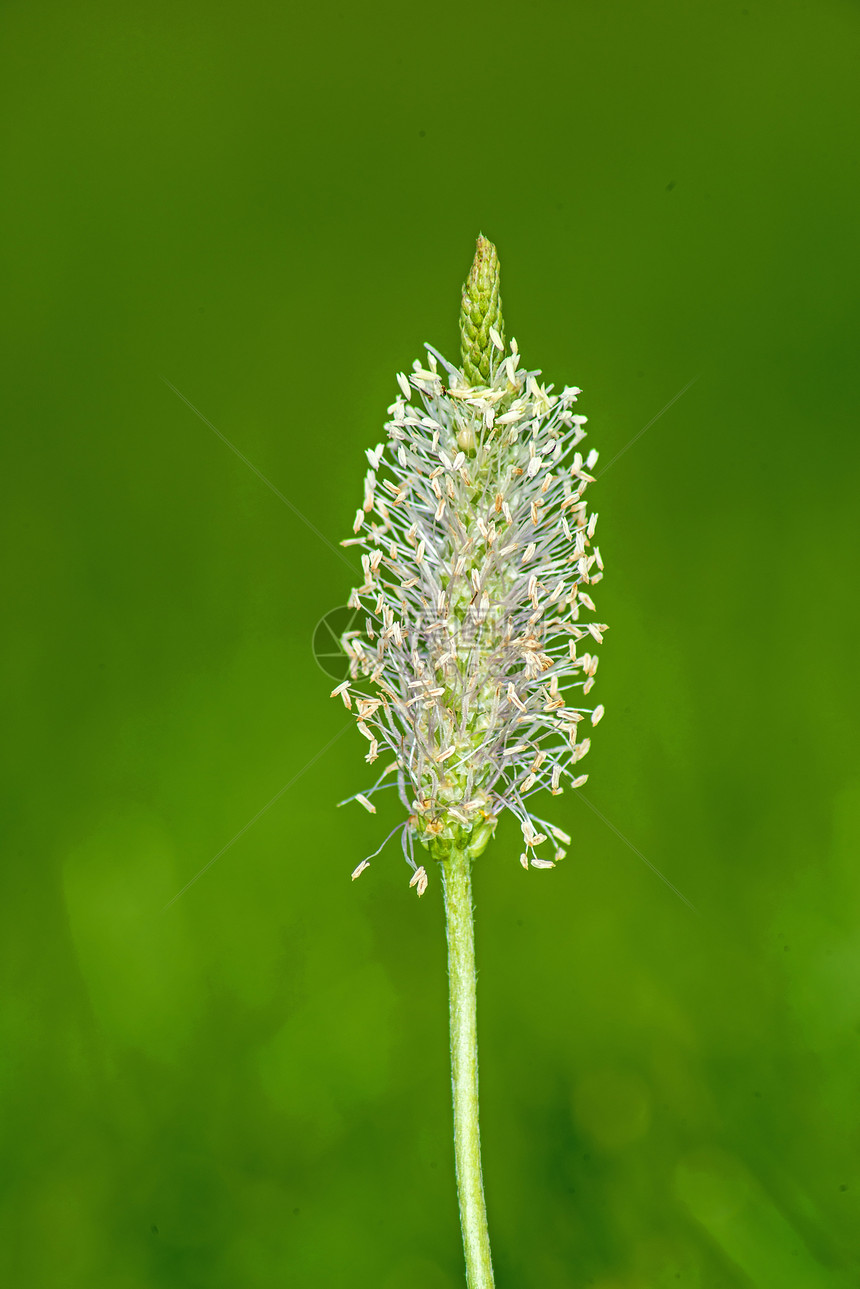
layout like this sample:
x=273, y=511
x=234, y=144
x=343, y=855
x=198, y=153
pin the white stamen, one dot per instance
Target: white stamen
x=419, y=879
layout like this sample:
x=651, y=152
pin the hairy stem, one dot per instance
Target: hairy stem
x=464, y=1068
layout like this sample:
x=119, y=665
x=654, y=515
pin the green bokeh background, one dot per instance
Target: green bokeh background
x=272, y=207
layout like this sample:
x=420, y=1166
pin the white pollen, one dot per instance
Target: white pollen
x=419, y=879
x=513, y=697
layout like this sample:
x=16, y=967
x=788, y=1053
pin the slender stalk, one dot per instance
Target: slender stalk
x=464, y=1068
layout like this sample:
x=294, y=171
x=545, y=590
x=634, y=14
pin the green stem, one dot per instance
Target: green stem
x=464, y=1068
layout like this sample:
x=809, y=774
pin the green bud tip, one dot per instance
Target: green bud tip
x=481, y=309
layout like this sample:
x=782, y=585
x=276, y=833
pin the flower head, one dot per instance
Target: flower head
x=473, y=660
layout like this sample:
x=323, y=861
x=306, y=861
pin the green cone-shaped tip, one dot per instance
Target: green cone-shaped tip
x=481, y=309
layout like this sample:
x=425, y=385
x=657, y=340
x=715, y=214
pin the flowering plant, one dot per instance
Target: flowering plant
x=473, y=661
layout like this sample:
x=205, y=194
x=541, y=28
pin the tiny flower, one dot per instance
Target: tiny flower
x=476, y=554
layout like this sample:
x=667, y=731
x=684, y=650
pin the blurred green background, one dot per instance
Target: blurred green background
x=272, y=207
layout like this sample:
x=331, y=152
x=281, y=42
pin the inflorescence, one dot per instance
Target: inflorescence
x=472, y=661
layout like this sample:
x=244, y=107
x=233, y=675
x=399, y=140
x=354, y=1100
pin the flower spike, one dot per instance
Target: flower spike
x=478, y=562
